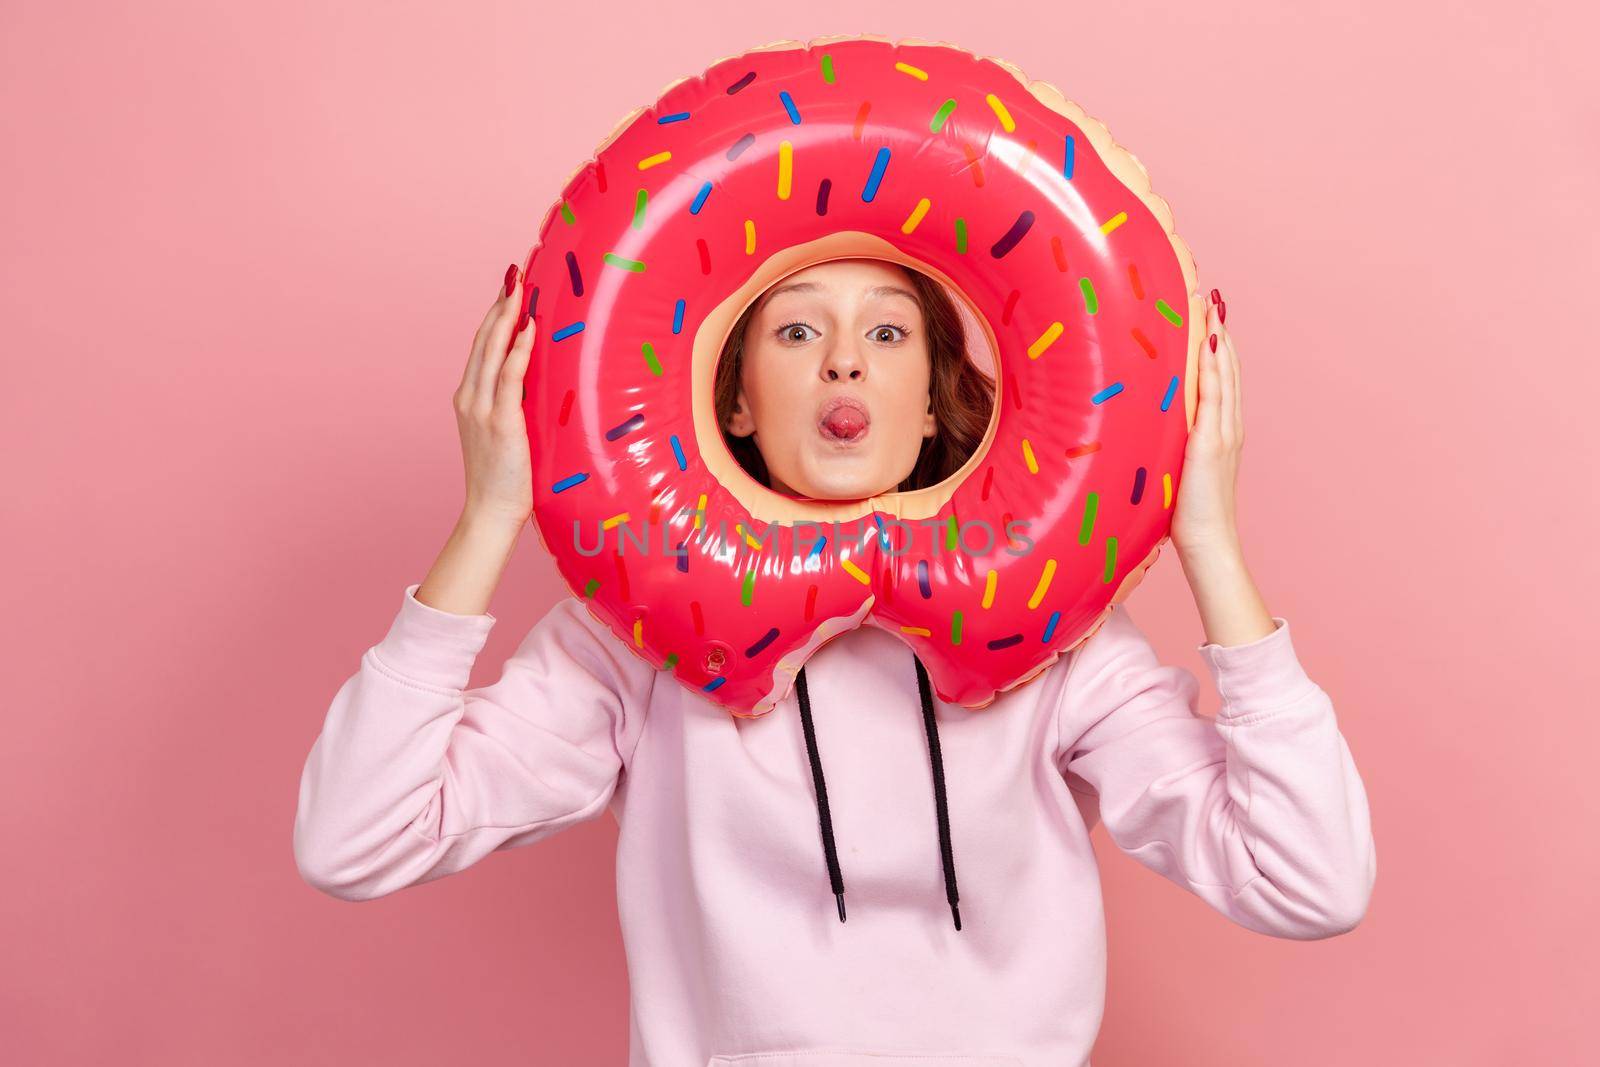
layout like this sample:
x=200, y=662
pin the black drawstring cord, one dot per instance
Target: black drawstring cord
x=830, y=851
x=946, y=855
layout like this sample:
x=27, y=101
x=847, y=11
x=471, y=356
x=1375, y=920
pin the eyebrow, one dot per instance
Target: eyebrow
x=811, y=287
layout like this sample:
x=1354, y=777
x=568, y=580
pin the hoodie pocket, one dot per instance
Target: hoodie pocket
x=819, y=1057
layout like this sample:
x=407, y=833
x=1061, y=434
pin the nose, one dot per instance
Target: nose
x=843, y=362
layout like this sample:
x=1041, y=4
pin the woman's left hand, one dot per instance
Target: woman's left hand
x=1204, y=517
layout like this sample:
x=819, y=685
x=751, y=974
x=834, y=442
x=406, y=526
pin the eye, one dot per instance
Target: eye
x=900, y=328
x=792, y=332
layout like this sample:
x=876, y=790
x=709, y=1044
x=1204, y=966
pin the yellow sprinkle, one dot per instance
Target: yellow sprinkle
x=1044, y=584
x=1001, y=112
x=749, y=237
x=659, y=157
x=916, y=631
x=638, y=632
x=989, y=584
x=751, y=541
x=856, y=572
x=1166, y=490
x=700, y=511
x=1113, y=222
x=1027, y=456
x=614, y=520
x=785, y=169
x=907, y=68
x=916, y=216
x=1045, y=340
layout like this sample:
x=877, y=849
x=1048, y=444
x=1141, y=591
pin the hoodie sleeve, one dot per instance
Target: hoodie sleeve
x=413, y=777
x=1261, y=812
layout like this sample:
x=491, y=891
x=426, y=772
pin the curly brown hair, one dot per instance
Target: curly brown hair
x=962, y=395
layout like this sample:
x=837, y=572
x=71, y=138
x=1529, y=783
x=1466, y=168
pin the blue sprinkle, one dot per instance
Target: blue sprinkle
x=700, y=198
x=1067, y=162
x=816, y=549
x=622, y=429
x=883, y=534
x=567, y=331
x=788, y=105
x=1050, y=627
x=677, y=453
x=1172, y=387
x=922, y=580
x=677, y=318
x=715, y=683
x=767, y=639
x=879, y=165
x=568, y=482
x=676, y=116
x=1108, y=392
x=1004, y=642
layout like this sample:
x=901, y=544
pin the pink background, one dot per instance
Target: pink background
x=246, y=247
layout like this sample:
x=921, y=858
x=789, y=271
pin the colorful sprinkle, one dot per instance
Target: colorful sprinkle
x=573, y=275
x=1091, y=303
x=700, y=199
x=1166, y=490
x=639, y=203
x=1028, y=457
x=566, y=213
x=681, y=550
x=816, y=549
x=1167, y=312
x=1138, y=486
x=1045, y=340
x=615, y=520
x=952, y=535
x=916, y=216
x=1111, y=559
x=748, y=539
x=697, y=618
x=1091, y=507
x=989, y=585
x=879, y=164
x=916, y=631
x=974, y=164
x=1004, y=642
x=1023, y=224
x=861, y=119
x=740, y=145
x=1050, y=627
x=662, y=120
x=811, y=602
x=1058, y=252
x=670, y=662
x=1067, y=159
x=1043, y=587
x=1144, y=342
x=855, y=572
x=748, y=590
x=822, y=195
x=955, y=628
x=922, y=580
x=760, y=646
x=638, y=633
x=567, y=331
x=785, y=169
x=1107, y=393
x=788, y=105
x=626, y=264
x=700, y=511
x=915, y=72
x=939, y=116
x=566, y=407
x=713, y=685
x=749, y=237
x=961, y=236
x=627, y=426
x=568, y=482
x=590, y=586
x=1172, y=389
x=705, y=255
x=741, y=83
x=1113, y=222
x=651, y=161
x=827, y=68
x=650, y=359
x=677, y=316
x=1001, y=113
x=677, y=452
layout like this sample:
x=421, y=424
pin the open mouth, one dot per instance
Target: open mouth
x=843, y=419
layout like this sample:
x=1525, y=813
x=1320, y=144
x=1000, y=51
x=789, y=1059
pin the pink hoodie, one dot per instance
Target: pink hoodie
x=736, y=952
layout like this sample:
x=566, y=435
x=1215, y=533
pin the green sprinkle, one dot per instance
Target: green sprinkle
x=749, y=587
x=1167, y=312
x=1090, y=506
x=955, y=628
x=827, y=68
x=650, y=359
x=626, y=264
x=1090, y=303
x=670, y=662
x=939, y=116
x=588, y=590
x=566, y=213
x=961, y=236
x=638, y=208
x=1111, y=558
x=952, y=535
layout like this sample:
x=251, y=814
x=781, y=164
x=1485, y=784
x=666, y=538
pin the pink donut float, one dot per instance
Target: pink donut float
x=914, y=152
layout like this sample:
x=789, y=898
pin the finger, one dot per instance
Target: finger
x=1205, y=413
x=509, y=393
x=1224, y=369
x=494, y=350
x=469, y=374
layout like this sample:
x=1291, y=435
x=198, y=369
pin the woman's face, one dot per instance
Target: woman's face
x=834, y=380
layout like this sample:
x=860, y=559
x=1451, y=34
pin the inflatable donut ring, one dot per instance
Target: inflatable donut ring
x=914, y=152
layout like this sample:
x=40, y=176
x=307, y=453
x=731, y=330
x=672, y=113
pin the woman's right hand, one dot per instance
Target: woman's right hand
x=495, y=452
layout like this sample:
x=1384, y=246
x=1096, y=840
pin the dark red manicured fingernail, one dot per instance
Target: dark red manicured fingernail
x=1213, y=342
x=1216, y=297
x=1222, y=311
x=511, y=278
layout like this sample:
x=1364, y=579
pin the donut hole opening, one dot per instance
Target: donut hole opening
x=963, y=386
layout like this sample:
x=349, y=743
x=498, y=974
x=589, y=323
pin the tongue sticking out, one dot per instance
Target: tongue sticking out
x=846, y=423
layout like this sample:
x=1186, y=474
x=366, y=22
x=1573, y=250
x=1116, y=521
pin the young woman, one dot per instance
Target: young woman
x=741, y=838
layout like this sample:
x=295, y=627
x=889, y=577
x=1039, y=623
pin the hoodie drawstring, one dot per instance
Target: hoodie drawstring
x=825, y=818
